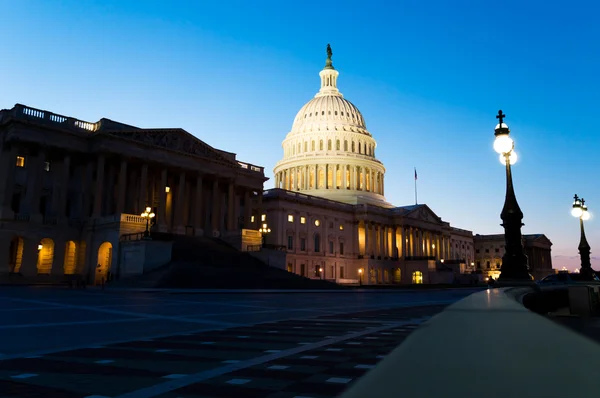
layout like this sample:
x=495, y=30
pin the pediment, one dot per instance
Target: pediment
x=173, y=139
x=541, y=239
x=424, y=213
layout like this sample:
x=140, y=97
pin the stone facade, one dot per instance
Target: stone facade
x=359, y=243
x=71, y=190
x=489, y=250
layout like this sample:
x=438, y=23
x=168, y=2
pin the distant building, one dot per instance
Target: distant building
x=489, y=250
x=70, y=190
x=328, y=215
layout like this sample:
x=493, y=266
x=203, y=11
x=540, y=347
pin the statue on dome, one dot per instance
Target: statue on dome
x=328, y=63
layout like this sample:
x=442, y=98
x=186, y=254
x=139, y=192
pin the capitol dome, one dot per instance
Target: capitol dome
x=329, y=152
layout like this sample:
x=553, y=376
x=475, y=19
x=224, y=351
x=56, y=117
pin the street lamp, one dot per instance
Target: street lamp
x=264, y=230
x=321, y=273
x=514, y=261
x=148, y=215
x=360, y=272
x=580, y=210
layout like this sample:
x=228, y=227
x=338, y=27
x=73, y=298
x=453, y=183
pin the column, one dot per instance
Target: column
x=198, y=207
x=334, y=176
x=143, y=199
x=178, y=226
x=215, y=205
x=30, y=257
x=34, y=187
x=247, y=209
x=367, y=239
x=58, y=260
x=64, y=192
x=231, y=206
x=395, y=242
x=122, y=186
x=362, y=172
x=8, y=161
x=161, y=216
x=99, y=189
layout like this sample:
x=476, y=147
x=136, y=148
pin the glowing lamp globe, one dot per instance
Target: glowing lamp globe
x=512, y=158
x=503, y=143
x=585, y=215
x=576, y=211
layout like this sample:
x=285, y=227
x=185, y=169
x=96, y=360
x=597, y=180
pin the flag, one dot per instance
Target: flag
x=415, y=174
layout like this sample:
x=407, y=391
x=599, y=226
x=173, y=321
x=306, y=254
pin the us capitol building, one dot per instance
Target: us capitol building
x=71, y=195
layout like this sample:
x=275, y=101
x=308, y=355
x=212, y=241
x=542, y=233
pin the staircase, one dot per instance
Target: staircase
x=209, y=263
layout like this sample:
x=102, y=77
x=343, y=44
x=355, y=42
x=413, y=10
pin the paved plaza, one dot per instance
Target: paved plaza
x=94, y=343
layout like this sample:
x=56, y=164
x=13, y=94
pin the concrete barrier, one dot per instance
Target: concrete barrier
x=490, y=345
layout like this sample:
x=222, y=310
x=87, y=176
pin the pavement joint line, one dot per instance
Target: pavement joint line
x=42, y=325
x=172, y=385
x=208, y=328
x=133, y=314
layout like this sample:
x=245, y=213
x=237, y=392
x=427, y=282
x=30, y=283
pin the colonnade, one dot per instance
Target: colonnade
x=81, y=188
x=331, y=176
x=381, y=240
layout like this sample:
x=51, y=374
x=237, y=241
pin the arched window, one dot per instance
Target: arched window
x=337, y=145
x=353, y=147
x=317, y=243
x=320, y=145
x=329, y=145
x=312, y=146
x=345, y=145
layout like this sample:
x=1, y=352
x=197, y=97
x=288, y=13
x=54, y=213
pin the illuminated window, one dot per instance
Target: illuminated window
x=20, y=161
x=252, y=219
x=317, y=223
x=302, y=220
x=263, y=217
x=341, y=227
x=167, y=189
x=290, y=218
x=417, y=277
x=47, y=166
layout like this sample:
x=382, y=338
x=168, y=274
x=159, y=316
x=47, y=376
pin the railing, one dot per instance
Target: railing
x=50, y=220
x=253, y=248
x=275, y=247
x=22, y=217
x=281, y=192
x=135, y=236
x=251, y=167
x=251, y=232
x=132, y=218
x=49, y=117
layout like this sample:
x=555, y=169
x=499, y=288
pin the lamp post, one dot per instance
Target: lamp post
x=580, y=210
x=360, y=272
x=264, y=230
x=148, y=215
x=321, y=273
x=514, y=261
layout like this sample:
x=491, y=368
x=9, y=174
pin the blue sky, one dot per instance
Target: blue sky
x=429, y=78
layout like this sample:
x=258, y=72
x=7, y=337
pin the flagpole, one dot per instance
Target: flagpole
x=416, y=202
